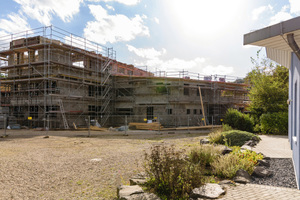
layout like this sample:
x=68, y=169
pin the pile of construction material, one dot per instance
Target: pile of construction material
x=6, y=120
x=145, y=126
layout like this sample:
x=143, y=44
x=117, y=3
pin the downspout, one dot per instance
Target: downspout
x=292, y=43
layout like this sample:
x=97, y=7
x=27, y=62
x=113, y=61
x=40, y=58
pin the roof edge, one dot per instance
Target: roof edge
x=272, y=31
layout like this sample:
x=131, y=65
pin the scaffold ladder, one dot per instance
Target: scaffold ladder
x=62, y=110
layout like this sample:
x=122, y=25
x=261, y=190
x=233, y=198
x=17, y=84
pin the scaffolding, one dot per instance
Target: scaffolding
x=176, y=101
x=49, y=73
x=54, y=79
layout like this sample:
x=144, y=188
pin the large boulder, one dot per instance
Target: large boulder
x=139, y=179
x=242, y=176
x=134, y=192
x=209, y=191
x=143, y=196
x=264, y=163
x=125, y=191
x=225, y=149
x=261, y=172
x=204, y=141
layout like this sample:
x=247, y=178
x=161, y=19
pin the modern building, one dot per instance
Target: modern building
x=51, y=78
x=282, y=42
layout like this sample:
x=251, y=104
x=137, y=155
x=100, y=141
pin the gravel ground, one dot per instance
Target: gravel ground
x=70, y=165
x=283, y=174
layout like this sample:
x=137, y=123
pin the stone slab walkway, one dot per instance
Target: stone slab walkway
x=274, y=147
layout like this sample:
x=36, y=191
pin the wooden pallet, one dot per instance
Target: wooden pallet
x=145, y=126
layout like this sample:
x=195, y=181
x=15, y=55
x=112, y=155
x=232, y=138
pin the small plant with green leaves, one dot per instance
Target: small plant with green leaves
x=204, y=155
x=226, y=166
x=216, y=137
x=170, y=173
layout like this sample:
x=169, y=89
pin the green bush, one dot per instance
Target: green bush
x=204, y=155
x=238, y=138
x=226, y=127
x=226, y=166
x=231, y=138
x=238, y=120
x=216, y=137
x=171, y=175
x=274, y=123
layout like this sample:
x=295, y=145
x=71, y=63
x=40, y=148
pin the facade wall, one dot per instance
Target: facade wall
x=174, y=102
x=294, y=113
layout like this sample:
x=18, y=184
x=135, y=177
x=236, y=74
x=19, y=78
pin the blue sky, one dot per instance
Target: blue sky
x=169, y=35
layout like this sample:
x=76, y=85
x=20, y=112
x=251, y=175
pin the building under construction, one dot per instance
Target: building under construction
x=52, y=78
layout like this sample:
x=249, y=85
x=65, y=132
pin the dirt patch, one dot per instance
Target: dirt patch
x=70, y=165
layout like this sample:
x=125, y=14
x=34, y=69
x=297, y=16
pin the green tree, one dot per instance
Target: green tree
x=268, y=88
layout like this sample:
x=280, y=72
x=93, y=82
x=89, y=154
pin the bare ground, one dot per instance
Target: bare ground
x=62, y=166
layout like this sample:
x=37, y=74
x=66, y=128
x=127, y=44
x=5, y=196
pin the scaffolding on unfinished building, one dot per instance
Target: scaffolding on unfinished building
x=48, y=72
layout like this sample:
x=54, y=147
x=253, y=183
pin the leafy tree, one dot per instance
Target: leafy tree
x=268, y=87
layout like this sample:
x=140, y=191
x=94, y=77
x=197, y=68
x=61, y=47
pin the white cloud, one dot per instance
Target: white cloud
x=126, y=2
x=281, y=16
x=154, y=60
x=258, y=11
x=42, y=10
x=156, y=20
x=295, y=6
x=14, y=24
x=220, y=70
x=150, y=53
x=109, y=7
x=113, y=28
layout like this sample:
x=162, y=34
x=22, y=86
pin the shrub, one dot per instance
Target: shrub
x=238, y=138
x=226, y=166
x=238, y=120
x=171, y=175
x=231, y=138
x=275, y=123
x=216, y=137
x=226, y=127
x=204, y=155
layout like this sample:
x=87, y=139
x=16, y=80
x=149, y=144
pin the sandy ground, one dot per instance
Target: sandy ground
x=70, y=165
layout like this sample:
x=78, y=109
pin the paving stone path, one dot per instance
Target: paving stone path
x=274, y=147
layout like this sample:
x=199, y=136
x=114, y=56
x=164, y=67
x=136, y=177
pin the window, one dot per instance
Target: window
x=91, y=91
x=149, y=112
x=124, y=111
x=186, y=89
x=188, y=111
x=169, y=111
x=195, y=111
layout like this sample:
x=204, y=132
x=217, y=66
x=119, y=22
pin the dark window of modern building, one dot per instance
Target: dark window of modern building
x=186, y=89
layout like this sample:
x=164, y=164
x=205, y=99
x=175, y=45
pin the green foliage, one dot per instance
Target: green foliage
x=232, y=138
x=269, y=89
x=238, y=138
x=162, y=90
x=226, y=166
x=226, y=127
x=275, y=123
x=238, y=120
x=204, y=155
x=216, y=137
x=171, y=174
